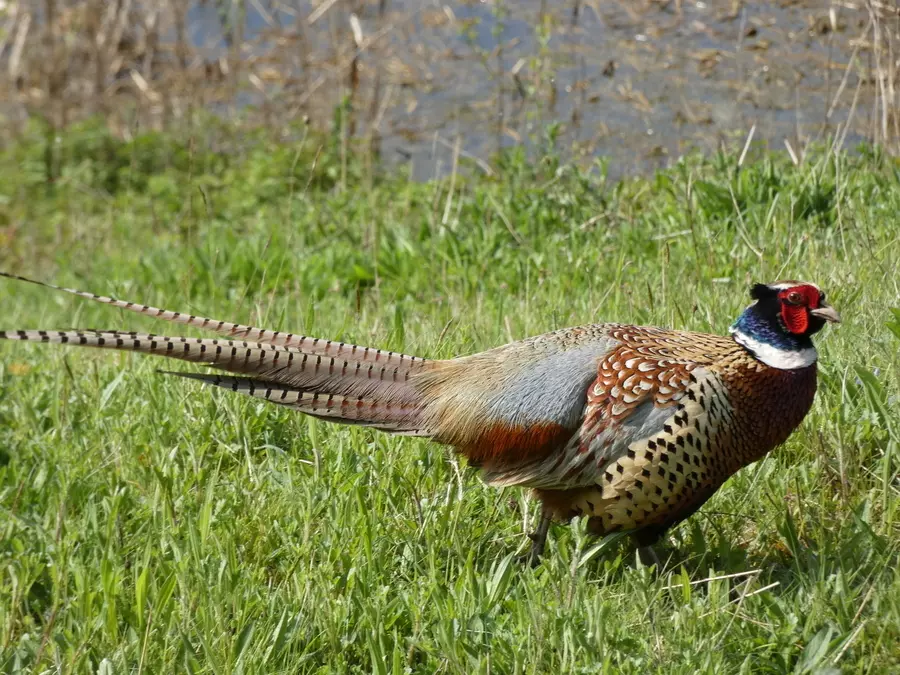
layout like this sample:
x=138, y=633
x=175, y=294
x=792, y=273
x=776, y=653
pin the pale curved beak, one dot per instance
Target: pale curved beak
x=826, y=312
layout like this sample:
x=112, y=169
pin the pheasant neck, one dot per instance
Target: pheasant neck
x=760, y=332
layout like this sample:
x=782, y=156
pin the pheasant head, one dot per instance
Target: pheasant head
x=777, y=327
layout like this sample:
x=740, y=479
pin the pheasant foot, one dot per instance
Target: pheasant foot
x=648, y=557
x=538, y=540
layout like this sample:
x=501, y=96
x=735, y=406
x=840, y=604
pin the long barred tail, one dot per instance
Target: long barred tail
x=332, y=380
x=397, y=418
x=303, y=343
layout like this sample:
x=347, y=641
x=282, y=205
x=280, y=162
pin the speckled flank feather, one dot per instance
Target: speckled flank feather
x=633, y=426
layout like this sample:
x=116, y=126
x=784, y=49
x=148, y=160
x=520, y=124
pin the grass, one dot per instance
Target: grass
x=149, y=525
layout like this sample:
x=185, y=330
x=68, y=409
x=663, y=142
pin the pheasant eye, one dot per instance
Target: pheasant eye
x=794, y=297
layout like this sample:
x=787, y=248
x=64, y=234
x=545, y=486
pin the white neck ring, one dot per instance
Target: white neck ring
x=783, y=359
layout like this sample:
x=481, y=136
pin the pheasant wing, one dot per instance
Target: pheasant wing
x=644, y=390
x=518, y=404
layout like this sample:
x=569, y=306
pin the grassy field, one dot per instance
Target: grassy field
x=149, y=525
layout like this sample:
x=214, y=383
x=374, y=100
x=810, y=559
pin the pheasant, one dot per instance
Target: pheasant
x=633, y=427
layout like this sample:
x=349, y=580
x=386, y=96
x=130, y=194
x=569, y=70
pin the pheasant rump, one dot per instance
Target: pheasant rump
x=634, y=427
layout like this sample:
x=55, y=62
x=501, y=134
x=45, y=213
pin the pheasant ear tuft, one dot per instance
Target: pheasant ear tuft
x=760, y=291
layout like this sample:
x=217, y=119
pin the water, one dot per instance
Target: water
x=636, y=83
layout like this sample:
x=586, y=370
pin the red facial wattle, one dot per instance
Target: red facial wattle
x=795, y=315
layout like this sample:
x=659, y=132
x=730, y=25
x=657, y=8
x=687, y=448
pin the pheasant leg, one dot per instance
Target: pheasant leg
x=645, y=540
x=538, y=539
x=648, y=557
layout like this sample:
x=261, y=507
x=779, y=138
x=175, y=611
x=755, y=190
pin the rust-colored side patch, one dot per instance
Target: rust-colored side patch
x=499, y=444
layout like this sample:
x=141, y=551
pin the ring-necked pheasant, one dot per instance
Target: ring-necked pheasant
x=634, y=427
